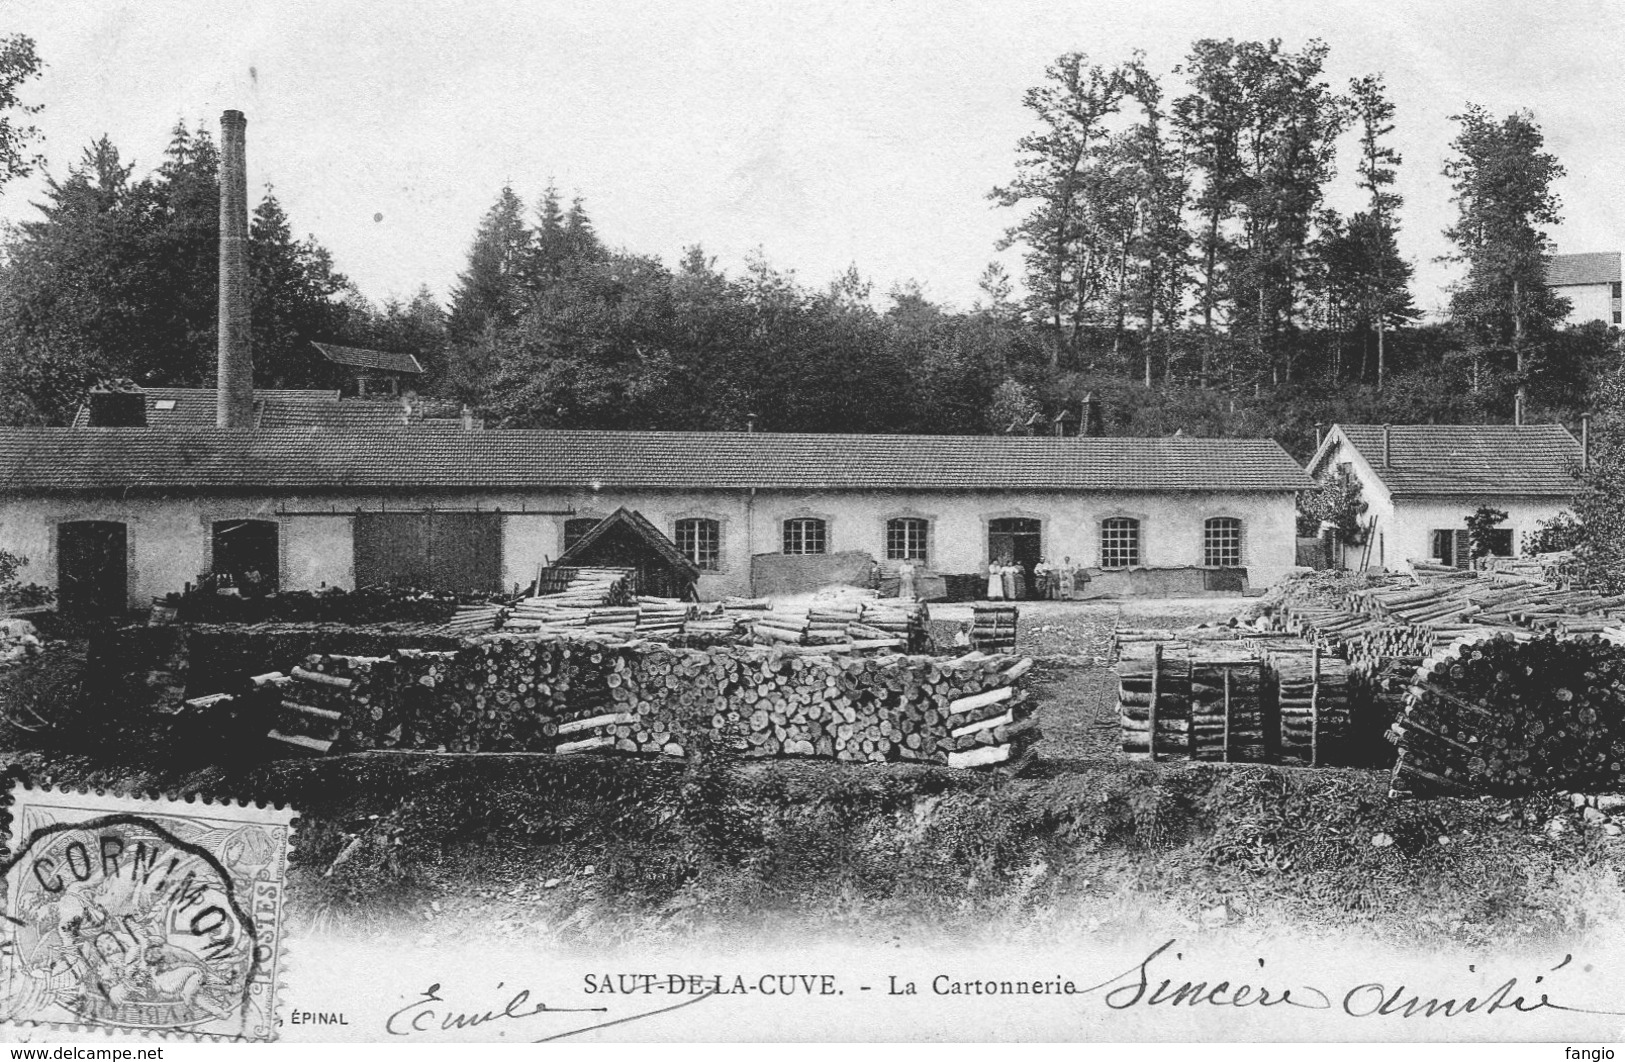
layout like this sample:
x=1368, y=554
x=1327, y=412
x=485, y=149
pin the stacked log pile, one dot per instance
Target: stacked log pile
x=1307, y=703
x=865, y=625
x=1509, y=714
x=993, y=627
x=1200, y=701
x=580, y=692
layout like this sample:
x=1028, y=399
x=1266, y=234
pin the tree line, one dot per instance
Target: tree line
x=1179, y=261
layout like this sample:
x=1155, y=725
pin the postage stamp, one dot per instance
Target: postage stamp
x=143, y=915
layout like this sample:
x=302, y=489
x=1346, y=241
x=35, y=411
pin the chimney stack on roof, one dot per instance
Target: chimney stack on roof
x=1387, y=446
x=235, y=369
x=1517, y=409
x=1320, y=433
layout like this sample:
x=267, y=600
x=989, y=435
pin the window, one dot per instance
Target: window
x=1616, y=289
x=700, y=541
x=164, y=404
x=1119, y=542
x=574, y=530
x=804, y=535
x=905, y=539
x=1221, y=542
x=1499, y=540
x=1616, y=317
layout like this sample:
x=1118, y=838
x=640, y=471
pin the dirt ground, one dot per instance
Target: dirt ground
x=594, y=853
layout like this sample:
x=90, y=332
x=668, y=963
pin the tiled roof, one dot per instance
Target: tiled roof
x=1596, y=268
x=55, y=459
x=1468, y=458
x=361, y=358
x=195, y=407
x=171, y=408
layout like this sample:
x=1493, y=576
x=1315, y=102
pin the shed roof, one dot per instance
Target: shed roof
x=58, y=459
x=1568, y=270
x=1471, y=459
x=362, y=358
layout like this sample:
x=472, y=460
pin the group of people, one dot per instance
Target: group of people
x=1053, y=582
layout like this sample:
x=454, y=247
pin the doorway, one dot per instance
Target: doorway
x=247, y=550
x=1018, y=540
x=92, y=567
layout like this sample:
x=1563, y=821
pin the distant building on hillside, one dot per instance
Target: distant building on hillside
x=1591, y=283
x=182, y=408
x=360, y=372
x=1420, y=483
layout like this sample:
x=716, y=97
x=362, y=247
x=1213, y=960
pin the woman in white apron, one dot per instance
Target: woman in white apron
x=995, y=580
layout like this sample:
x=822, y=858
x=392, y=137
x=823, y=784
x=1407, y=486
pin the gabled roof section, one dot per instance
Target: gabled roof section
x=640, y=526
x=173, y=408
x=1568, y=270
x=196, y=407
x=60, y=459
x=1464, y=459
x=362, y=358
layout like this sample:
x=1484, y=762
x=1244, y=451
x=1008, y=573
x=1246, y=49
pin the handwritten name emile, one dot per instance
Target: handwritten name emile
x=1141, y=985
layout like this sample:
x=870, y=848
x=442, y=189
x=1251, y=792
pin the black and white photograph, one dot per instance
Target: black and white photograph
x=867, y=521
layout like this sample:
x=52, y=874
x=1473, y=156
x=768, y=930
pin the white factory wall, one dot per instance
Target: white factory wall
x=1405, y=524
x=169, y=538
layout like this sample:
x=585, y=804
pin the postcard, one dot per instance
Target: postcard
x=811, y=523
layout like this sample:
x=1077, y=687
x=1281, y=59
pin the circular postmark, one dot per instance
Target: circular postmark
x=121, y=921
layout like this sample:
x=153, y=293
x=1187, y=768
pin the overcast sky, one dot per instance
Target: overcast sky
x=823, y=133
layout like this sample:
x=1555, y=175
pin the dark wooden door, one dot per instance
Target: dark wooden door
x=391, y=549
x=465, y=552
x=457, y=552
x=92, y=567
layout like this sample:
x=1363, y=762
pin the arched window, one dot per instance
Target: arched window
x=1221, y=542
x=906, y=538
x=1119, y=542
x=700, y=540
x=804, y=535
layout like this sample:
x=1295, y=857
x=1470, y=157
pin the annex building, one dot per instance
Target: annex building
x=122, y=515
x=1420, y=482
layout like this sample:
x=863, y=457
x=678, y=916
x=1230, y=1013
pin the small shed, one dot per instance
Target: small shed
x=625, y=539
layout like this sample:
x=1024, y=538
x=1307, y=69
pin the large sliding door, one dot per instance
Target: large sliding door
x=457, y=552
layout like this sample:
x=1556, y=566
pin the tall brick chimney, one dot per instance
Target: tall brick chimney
x=236, y=359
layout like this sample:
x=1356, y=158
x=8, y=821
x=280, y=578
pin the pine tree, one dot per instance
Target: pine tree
x=1061, y=170
x=490, y=291
x=1502, y=179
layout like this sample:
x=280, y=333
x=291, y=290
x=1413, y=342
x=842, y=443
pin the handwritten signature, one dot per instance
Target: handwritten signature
x=427, y=1014
x=1133, y=988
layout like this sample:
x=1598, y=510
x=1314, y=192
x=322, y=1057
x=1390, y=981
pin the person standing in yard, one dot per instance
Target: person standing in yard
x=1066, y=582
x=995, y=579
x=1042, y=573
x=1009, y=572
x=905, y=581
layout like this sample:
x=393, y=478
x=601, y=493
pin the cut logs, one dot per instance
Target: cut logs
x=582, y=691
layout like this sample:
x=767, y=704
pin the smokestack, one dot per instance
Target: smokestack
x=1585, y=442
x=1320, y=433
x=1387, y=446
x=1517, y=410
x=236, y=359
